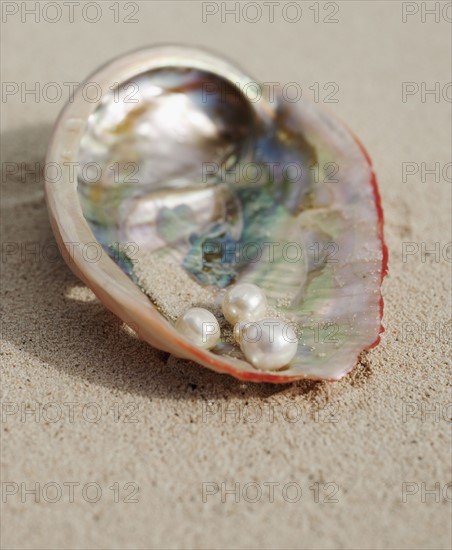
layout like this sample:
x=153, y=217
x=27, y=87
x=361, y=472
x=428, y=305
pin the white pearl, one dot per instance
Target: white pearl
x=200, y=327
x=268, y=344
x=244, y=302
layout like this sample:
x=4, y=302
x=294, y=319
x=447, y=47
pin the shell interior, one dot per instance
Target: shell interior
x=177, y=165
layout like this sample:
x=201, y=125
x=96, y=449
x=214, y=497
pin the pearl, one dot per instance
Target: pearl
x=244, y=302
x=200, y=327
x=268, y=344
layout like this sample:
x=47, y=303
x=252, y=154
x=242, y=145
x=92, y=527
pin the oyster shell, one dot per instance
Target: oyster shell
x=175, y=161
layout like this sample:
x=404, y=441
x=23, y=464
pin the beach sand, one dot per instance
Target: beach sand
x=152, y=445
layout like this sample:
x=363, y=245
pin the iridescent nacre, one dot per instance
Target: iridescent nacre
x=267, y=192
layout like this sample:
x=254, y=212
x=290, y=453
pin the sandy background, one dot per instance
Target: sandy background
x=366, y=436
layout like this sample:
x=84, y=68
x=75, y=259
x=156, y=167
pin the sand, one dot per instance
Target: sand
x=170, y=287
x=150, y=444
